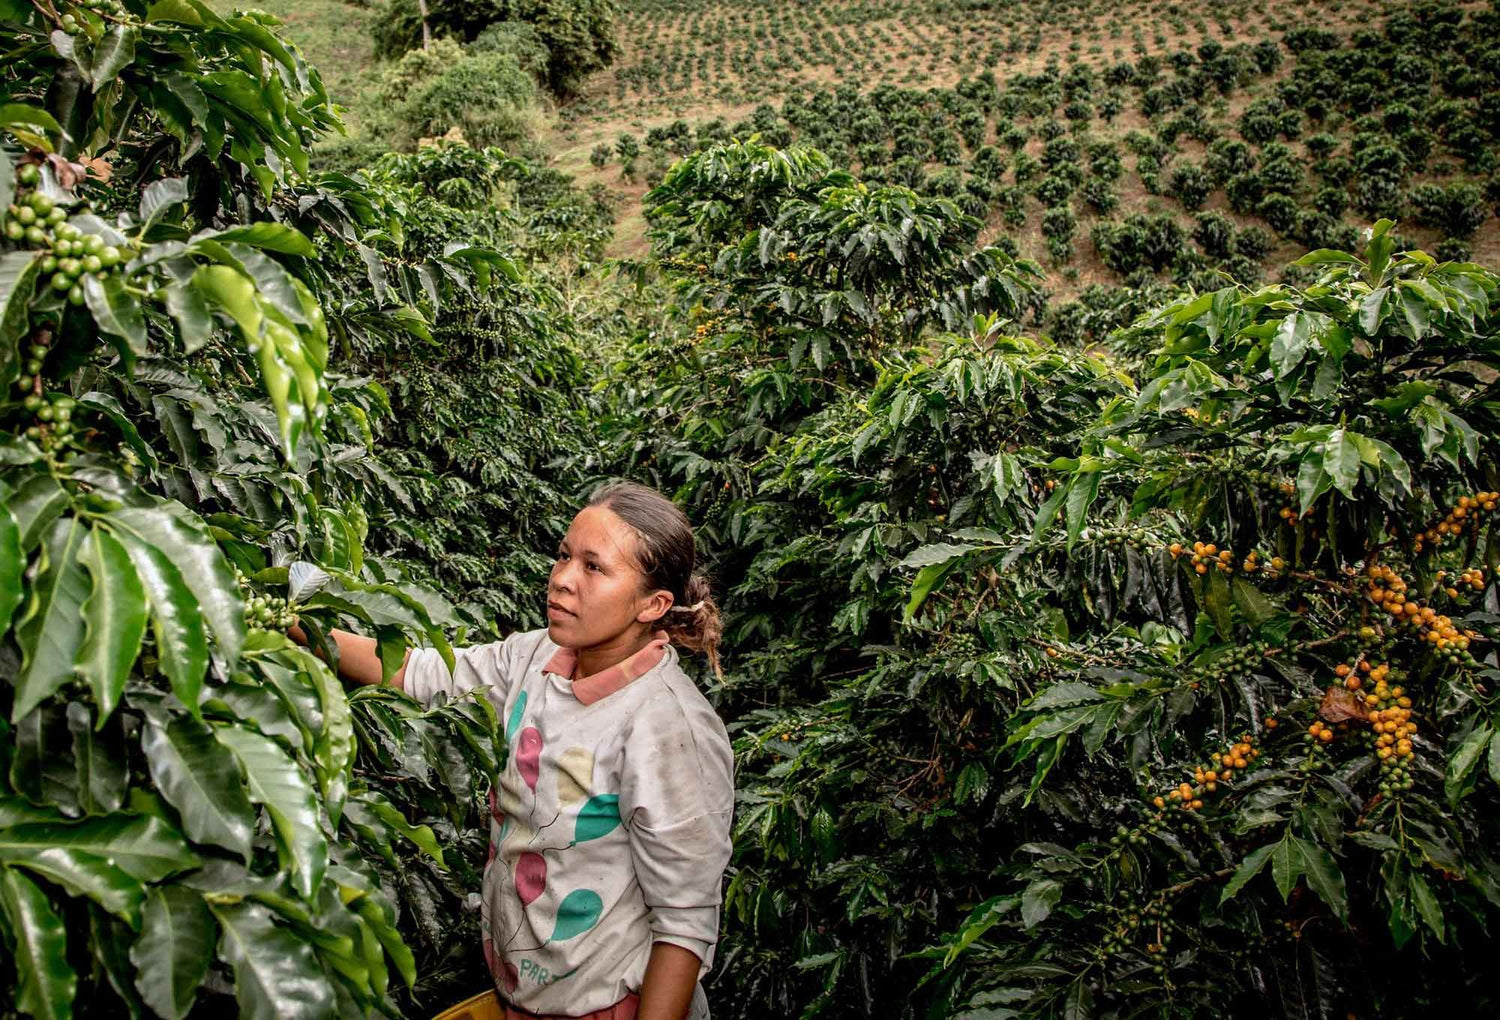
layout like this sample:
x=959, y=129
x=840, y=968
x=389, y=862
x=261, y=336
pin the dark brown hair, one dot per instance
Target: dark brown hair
x=665, y=549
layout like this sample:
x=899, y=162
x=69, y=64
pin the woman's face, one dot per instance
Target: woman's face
x=595, y=591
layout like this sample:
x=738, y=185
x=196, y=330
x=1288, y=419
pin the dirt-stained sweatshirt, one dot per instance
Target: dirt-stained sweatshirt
x=610, y=829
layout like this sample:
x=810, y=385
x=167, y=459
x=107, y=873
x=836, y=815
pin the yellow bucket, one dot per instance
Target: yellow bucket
x=484, y=1006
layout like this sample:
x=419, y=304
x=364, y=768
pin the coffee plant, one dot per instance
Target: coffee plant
x=191, y=806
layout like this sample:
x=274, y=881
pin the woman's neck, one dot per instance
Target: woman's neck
x=600, y=657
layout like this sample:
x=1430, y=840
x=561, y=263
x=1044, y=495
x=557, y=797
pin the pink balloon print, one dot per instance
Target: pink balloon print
x=531, y=877
x=529, y=755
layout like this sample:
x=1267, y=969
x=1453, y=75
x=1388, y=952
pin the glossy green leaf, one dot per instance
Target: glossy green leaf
x=114, y=618
x=102, y=62
x=51, y=628
x=159, y=197
x=278, y=784
x=41, y=768
x=83, y=874
x=19, y=271
x=176, y=623
x=98, y=760
x=12, y=566
x=1457, y=780
x=1253, y=864
x=47, y=982
x=140, y=845
x=174, y=949
x=201, y=779
x=183, y=539
x=276, y=974
x=1039, y=899
x=116, y=310
x=277, y=237
x=421, y=836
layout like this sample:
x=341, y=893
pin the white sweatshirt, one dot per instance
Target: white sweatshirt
x=610, y=830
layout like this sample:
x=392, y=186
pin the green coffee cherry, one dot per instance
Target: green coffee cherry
x=62, y=281
x=27, y=175
x=14, y=231
x=75, y=295
x=92, y=264
x=25, y=215
x=49, y=264
x=36, y=235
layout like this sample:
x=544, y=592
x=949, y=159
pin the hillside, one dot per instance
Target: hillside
x=1242, y=134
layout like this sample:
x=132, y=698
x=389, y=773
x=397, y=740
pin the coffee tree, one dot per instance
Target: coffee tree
x=191, y=806
x=1259, y=759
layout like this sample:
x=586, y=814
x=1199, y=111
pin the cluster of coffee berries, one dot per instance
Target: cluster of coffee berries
x=1125, y=924
x=32, y=216
x=1205, y=555
x=1319, y=731
x=1238, y=663
x=74, y=254
x=1390, y=719
x=1222, y=767
x=264, y=612
x=52, y=418
x=1288, y=514
x=1116, y=538
x=1472, y=578
x=1351, y=676
x=72, y=24
x=1387, y=589
x=1467, y=514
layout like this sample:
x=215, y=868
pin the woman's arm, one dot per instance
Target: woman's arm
x=359, y=659
x=667, y=991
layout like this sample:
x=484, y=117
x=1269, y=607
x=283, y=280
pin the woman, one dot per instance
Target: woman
x=609, y=833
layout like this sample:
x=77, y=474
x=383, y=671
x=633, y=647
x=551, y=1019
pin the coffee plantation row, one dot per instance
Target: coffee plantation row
x=1151, y=678
x=1109, y=169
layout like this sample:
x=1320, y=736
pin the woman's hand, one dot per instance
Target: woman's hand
x=359, y=657
x=671, y=976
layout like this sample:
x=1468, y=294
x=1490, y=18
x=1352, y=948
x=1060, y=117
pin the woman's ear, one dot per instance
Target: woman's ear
x=655, y=608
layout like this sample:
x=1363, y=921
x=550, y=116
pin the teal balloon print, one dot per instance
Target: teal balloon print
x=597, y=818
x=579, y=912
x=515, y=716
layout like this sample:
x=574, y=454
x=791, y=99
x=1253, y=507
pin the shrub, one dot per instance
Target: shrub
x=486, y=96
x=1140, y=242
x=1458, y=209
x=1190, y=186
x=518, y=39
x=1214, y=233
x=1280, y=211
x=1054, y=189
x=1244, y=191
x=1253, y=243
x=1059, y=227
x=1225, y=158
x=1100, y=196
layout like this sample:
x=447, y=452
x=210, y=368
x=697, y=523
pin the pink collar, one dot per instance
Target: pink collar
x=602, y=684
